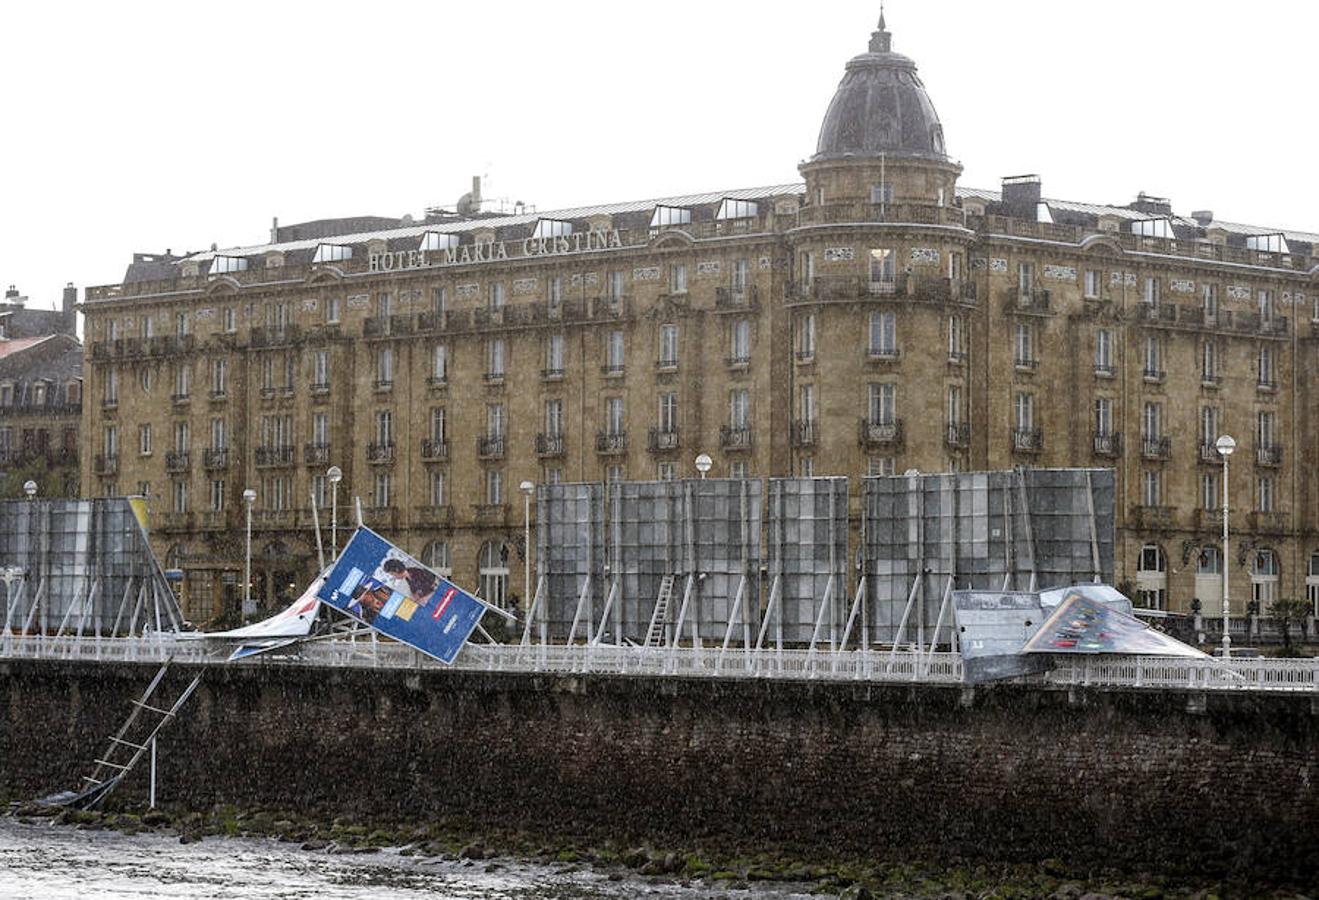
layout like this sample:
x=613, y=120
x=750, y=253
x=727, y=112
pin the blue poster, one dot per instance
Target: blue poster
x=378, y=584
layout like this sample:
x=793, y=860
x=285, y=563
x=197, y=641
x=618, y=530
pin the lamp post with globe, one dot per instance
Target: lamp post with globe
x=1226, y=446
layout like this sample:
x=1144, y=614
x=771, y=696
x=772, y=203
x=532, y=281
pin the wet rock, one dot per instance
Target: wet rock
x=474, y=850
x=856, y=892
x=315, y=844
x=155, y=817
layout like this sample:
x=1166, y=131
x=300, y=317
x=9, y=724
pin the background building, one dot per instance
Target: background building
x=40, y=396
x=876, y=318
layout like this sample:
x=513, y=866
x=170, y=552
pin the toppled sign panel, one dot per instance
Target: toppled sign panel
x=1005, y=634
x=378, y=584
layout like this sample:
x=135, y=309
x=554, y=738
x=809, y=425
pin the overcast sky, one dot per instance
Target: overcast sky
x=140, y=127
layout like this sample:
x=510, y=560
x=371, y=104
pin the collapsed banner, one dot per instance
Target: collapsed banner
x=1083, y=625
x=378, y=584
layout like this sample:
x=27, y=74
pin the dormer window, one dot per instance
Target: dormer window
x=326, y=253
x=434, y=241
x=737, y=209
x=669, y=216
x=39, y=394
x=551, y=228
x=223, y=265
x=1155, y=228
x=1267, y=243
x=72, y=393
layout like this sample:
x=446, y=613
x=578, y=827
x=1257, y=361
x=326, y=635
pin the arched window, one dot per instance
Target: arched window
x=1210, y=562
x=1152, y=577
x=436, y=555
x=1312, y=584
x=1264, y=579
x=493, y=563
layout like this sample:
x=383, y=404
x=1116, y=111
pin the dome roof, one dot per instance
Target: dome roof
x=881, y=108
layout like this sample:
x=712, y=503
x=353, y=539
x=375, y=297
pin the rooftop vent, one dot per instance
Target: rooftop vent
x=1023, y=190
x=1151, y=205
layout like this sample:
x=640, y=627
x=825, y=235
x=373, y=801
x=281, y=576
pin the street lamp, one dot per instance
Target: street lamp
x=30, y=488
x=249, y=497
x=527, y=488
x=703, y=464
x=1226, y=446
x=335, y=474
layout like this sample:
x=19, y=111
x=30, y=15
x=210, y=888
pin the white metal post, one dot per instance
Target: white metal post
x=151, y=800
x=249, y=496
x=1227, y=636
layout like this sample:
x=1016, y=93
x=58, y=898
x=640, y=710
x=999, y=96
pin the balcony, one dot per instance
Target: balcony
x=956, y=357
x=1154, y=376
x=551, y=373
x=381, y=518
x=1267, y=522
x=491, y=514
x=612, y=370
x=106, y=465
x=274, y=336
x=433, y=321
x=1034, y=301
x=274, y=518
x=109, y=404
x=1209, y=454
x=270, y=457
x=611, y=443
x=666, y=364
x=219, y=395
x=215, y=460
x=1268, y=454
x=384, y=385
x=957, y=436
x=1105, y=371
x=736, y=298
x=735, y=437
x=883, y=354
x=1107, y=444
x=738, y=361
x=171, y=345
x=320, y=388
x=490, y=447
x=494, y=378
x=664, y=439
x=1267, y=386
x=1211, y=382
x=1027, y=440
x=805, y=433
x=434, y=451
x=387, y=326
x=437, y=381
x=380, y=453
x=180, y=399
x=1156, y=447
x=212, y=521
x=1152, y=518
x=1210, y=520
x=856, y=212
x=172, y=521
x=1026, y=365
x=178, y=461
x=872, y=434
x=549, y=446
x=433, y=516
x=316, y=454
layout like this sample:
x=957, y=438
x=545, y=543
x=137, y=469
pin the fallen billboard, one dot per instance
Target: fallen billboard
x=378, y=584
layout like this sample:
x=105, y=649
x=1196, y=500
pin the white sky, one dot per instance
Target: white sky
x=137, y=127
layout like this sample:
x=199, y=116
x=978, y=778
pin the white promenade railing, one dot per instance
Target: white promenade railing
x=878, y=666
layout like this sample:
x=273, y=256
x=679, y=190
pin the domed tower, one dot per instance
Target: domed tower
x=881, y=142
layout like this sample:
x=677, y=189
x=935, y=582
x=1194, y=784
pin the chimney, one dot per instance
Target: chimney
x=274, y=230
x=70, y=298
x=11, y=295
x=1151, y=205
x=1021, y=196
x=1203, y=217
x=476, y=192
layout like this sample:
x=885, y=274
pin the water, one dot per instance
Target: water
x=42, y=860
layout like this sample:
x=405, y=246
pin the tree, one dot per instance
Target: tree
x=1286, y=612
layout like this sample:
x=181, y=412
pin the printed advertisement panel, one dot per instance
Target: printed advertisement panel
x=378, y=584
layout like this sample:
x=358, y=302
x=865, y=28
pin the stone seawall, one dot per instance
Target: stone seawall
x=1159, y=780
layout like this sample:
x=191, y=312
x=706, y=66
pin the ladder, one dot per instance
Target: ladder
x=128, y=745
x=659, y=618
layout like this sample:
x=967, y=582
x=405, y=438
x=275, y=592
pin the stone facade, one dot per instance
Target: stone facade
x=878, y=318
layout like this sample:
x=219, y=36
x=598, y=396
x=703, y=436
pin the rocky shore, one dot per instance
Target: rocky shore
x=719, y=868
